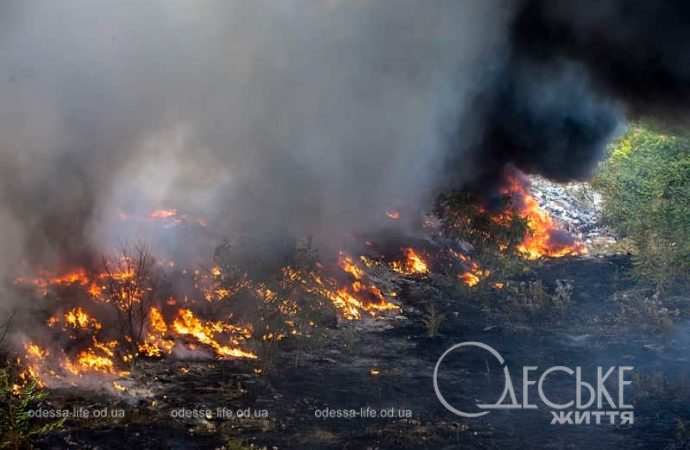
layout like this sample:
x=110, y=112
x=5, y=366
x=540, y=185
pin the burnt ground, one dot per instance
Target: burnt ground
x=389, y=362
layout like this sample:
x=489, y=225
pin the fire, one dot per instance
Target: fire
x=97, y=347
x=34, y=355
x=78, y=276
x=474, y=273
x=345, y=302
x=119, y=275
x=543, y=237
x=45, y=280
x=360, y=295
x=348, y=266
x=393, y=214
x=215, y=287
x=79, y=318
x=34, y=351
x=470, y=279
x=102, y=355
x=172, y=217
x=160, y=340
x=163, y=214
x=412, y=264
x=97, y=358
x=205, y=332
x=156, y=344
x=95, y=290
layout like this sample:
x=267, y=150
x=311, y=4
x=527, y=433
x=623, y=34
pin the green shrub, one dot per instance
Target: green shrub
x=18, y=429
x=645, y=185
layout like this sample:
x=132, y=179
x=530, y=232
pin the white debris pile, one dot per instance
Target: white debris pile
x=577, y=206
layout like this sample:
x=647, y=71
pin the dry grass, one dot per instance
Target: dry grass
x=433, y=321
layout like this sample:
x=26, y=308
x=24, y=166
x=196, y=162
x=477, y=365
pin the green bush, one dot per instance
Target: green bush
x=17, y=428
x=645, y=184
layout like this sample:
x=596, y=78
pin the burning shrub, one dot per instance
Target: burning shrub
x=495, y=242
x=646, y=189
x=275, y=305
x=463, y=216
x=508, y=221
x=131, y=285
x=104, y=320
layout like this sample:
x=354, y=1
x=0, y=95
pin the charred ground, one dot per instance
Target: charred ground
x=387, y=363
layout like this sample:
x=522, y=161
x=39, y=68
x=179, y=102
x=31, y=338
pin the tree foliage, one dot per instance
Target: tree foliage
x=645, y=184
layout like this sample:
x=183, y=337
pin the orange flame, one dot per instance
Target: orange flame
x=470, y=279
x=411, y=265
x=156, y=344
x=393, y=214
x=474, y=274
x=78, y=277
x=97, y=359
x=541, y=240
x=361, y=295
x=98, y=355
x=205, y=332
x=78, y=318
x=348, y=266
x=163, y=213
x=46, y=280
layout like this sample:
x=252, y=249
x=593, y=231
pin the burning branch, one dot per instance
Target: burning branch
x=509, y=221
x=130, y=285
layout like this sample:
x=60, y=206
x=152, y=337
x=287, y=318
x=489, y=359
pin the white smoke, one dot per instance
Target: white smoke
x=288, y=116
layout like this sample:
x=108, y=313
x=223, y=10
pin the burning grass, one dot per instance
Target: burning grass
x=411, y=264
x=104, y=320
x=126, y=312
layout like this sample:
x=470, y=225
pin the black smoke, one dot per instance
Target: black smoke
x=635, y=52
x=573, y=72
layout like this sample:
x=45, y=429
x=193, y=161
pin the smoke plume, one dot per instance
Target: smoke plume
x=572, y=73
x=298, y=117
x=276, y=118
